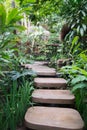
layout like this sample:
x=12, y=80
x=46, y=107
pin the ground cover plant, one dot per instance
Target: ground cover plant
x=14, y=105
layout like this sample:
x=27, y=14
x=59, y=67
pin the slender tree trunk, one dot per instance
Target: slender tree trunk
x=13, y=3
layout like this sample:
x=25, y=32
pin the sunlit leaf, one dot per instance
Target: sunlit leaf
x=84, y=14
x=13, y=16
x=84, y=27
x=81, y=31
x=2, y=15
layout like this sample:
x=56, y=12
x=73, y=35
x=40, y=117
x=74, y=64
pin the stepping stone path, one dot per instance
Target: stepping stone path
x=51, y=91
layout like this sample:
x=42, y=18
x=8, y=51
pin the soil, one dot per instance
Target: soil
x=23, y=128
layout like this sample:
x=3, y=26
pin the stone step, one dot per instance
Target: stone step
x=44, y=71
x=51, y=118
x=53, y=96
x=50, y=83
x=41, y=62
x=41, y=70
x=31, y=66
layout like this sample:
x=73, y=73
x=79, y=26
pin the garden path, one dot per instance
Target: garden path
x=54, y=104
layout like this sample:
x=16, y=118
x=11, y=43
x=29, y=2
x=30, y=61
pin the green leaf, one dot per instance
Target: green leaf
x=84, y=27
x=73, y=25
x=81, y=31
x=79, y=86
x=31, y=1
x=13, y=16
x=4, y=60
x=83, y=57
x=79, y=78
x=2, y=16
x=27, y=1
x=15, y=75
x=84, y=14
x=84, y=72
x=17, y=18
x=78, y=28
x=21, y=28
x=76, y=48
x=75, y=40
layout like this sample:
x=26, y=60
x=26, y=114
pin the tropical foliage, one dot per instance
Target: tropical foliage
x=17, y=48
x=15, y=86
x=77, y=75
x=14, y=105
x=75, y=14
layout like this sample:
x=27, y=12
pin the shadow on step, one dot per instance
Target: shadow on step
x=55, y=105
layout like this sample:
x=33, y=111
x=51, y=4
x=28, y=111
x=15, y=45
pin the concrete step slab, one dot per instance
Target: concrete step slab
x=41, y=70
x=44, y=71
x=51, y=118
x=31, y=66
x=50, y=83
x=53, y=96
x=41, y=62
